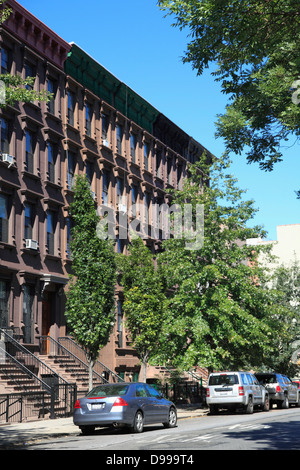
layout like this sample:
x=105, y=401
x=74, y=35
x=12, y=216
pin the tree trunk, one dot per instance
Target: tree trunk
x=143, y=372
x=91, y=363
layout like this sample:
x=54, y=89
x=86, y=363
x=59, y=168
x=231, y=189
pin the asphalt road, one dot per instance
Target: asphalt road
x=273, y=430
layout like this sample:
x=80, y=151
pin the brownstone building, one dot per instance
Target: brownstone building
x=95, y=125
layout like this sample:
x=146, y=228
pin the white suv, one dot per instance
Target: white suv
x=233, y=390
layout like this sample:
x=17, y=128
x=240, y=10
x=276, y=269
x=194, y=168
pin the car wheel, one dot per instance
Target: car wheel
x=87, y=430
x=138, y=422
x=249, y=407
x=266, y=405
x=213, y=409
x=172, y=421
x=285, y=403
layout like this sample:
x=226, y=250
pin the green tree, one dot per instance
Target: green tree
x=254, y=50
x=219, y=313
x=144, y=301
x=286, y=281
x=90, y=305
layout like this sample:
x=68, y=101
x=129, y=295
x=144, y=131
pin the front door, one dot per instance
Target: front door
x=46, y=323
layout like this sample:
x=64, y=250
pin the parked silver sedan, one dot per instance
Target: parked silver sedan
x=129, y=404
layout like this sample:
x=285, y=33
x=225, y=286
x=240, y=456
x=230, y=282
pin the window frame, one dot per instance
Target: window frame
x=71, y=107
x=29, y=227
x=7, y=63
x=5, y=143
x=30, y=143
x=51, y=222
x=4, y=221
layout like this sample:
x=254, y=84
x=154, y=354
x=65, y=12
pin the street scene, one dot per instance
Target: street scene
x=149, y=227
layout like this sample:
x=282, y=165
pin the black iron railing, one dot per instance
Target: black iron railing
x=99, y=367
x=51, y=347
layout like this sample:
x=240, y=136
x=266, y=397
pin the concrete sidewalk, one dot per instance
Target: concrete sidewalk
x=18, y=435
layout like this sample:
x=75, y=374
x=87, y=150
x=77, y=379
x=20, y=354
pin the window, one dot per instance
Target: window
x=152, y=392
x=158, y=165
x=51, y=161
x=134, y=197
x=120, y=245
x=169, y=170
x=28, y=300
x=5, y=61
x=71, y=108
x=88, y=119
x=50, y=231
x=70, y=225
x=146, y=155
x=51, y=89
x=105, y=179
x=250, y=379
x=244, y=379
x=4, y=303
x=71, y=169
x=179, y=176
x=29, y=72
x=29, y=151
x=105, y=125
x=89, y=171
x=120, y=190
x=223, y=379
x=29, y=220
x=4, y=136
x=119, y=138
x=133, y=142
x=4, y=217
x=140, y=391
x=147, y=207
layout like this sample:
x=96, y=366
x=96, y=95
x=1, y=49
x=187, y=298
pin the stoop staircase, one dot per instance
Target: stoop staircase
x=29, y=389
x=68, y=359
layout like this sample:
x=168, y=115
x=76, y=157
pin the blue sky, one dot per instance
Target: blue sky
x=135, y=42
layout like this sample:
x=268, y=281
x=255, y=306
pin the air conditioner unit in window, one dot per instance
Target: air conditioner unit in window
x=105, y=142
x=31, y=244
x=7, y=158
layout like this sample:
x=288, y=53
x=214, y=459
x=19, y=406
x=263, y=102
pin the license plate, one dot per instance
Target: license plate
x=98, y=406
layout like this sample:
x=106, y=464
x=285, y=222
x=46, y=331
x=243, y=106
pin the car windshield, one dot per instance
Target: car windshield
x=108, y=391
x=223, y=379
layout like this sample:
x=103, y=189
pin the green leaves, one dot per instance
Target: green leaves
x=144, y=301
x=255, y=48
x=218, y=314
x=90, y=300
x=16, y=91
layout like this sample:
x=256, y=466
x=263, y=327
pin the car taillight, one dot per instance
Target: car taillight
x=241, y=391
x=77, y=405
x=278, y=389
x=120, y=402
x=207, y=392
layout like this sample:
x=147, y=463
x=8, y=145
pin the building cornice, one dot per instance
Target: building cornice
x=31, y=31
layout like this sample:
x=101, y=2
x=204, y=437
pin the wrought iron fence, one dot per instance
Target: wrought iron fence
x=184, y=392
x=14, y=407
